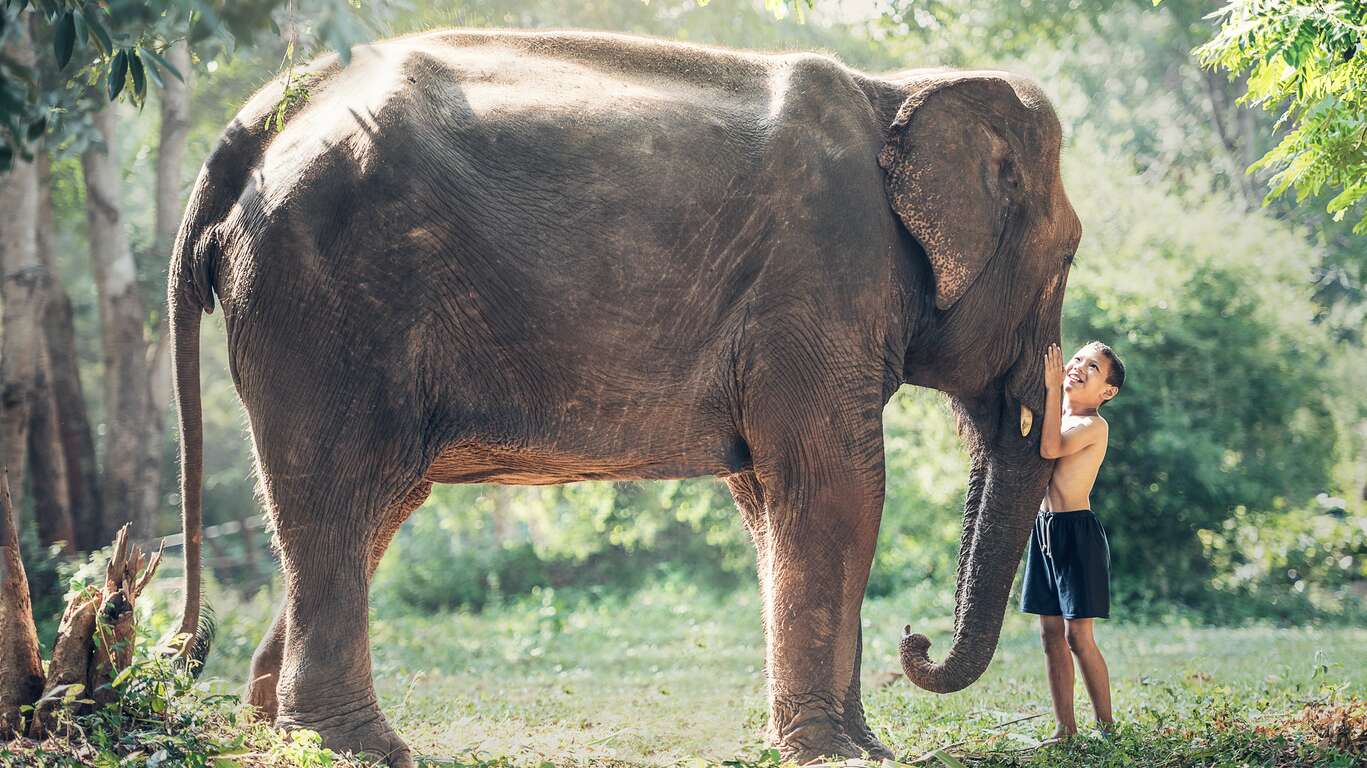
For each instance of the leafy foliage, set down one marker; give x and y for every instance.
(1304, 58)
(120, 44)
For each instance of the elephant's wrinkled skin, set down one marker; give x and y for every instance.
(546, 257)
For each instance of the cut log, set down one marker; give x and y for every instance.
(70, 665)
(21, 668)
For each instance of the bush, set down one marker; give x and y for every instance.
(1294, 565)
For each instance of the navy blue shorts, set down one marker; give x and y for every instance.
(1068, 567)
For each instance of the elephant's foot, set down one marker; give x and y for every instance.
(859, 731)
(363, 732)
(261, 698)
(811, 733)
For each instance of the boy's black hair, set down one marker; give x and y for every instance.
(1116, 375)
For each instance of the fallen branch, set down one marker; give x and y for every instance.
(934, 753)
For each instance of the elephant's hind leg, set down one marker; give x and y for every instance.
(265, 670)
(332, 468)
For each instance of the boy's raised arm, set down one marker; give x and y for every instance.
(1050, 437)
(1054, 442)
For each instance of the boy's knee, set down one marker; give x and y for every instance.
(1051, 634)
(1078, 639)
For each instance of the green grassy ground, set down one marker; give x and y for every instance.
(671, 675)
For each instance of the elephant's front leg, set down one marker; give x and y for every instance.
(855, 725)
(749, 496)
(824, 501)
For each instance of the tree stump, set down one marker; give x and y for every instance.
(21, 668)
(115, 635)
(70, 665)
(94, 644)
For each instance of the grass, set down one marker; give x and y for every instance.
(673, 675)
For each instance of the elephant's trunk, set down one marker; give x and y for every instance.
(1005, 488)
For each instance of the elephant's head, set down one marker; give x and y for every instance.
(972, 170)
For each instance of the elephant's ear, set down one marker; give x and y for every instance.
(952, 175)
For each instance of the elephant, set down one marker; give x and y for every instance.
(519, 257)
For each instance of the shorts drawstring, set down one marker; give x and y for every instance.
(1047, 518)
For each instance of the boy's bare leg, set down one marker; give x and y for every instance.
(1058, 662)
(1094, 673)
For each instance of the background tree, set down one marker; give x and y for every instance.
(22, 289)
(1303, 59)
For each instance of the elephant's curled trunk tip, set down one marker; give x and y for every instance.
(922, 671)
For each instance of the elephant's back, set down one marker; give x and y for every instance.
(579, 217)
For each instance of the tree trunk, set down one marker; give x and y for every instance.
(70, 665)
(22, 291)
(21, 669)
(122, 315)
(47, 469)
(73, 424)
(47, 458)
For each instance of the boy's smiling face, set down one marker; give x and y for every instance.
(1084, 379)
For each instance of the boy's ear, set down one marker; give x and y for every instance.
(1109, 392)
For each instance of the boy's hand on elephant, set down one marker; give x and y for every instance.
(1053, 368)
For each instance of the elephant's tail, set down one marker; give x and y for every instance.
(195, 261)
(189, 295)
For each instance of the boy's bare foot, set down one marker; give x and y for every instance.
(1061, 735)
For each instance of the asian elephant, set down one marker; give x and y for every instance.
(531, 258)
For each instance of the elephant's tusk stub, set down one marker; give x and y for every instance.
(1027, 420)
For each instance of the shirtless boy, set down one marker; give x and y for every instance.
(1067, 570)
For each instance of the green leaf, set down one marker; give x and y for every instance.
(946, 759)
(152, 70)
(157, 59)
(123, 676)
(37, 128)
(92, 20)
(64, 39)
(118, 71)
(82, 29)
(139, 76)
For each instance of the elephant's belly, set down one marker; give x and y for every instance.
(497, 464)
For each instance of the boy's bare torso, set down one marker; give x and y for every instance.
(1070, 487)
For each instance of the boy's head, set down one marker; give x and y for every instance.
(1093, 376)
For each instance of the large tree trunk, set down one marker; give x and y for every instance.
(122, 316)
(47, 469)
(73, 423)
(47, 457)
(175, 129)
(22, 292)
(21, 668)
